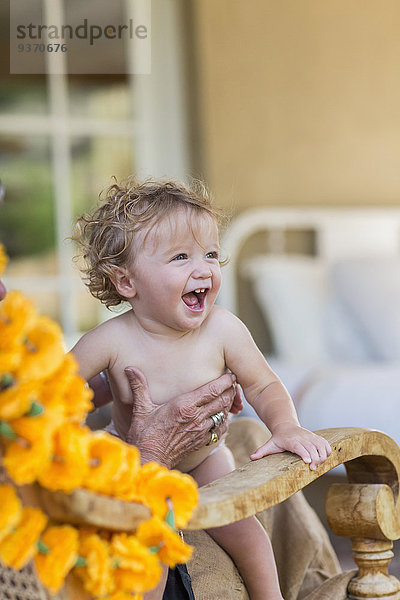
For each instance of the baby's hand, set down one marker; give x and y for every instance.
(312, 448)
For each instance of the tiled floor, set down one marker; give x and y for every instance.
(316, 494)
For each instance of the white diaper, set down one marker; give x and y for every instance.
(110, 428)
(220, 445)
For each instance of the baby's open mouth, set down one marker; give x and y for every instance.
(195, 300)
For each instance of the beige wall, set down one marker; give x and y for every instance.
(299, 101)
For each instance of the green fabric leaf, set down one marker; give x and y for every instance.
(80, 562)
(35, 410)
(7, 431)
(42, 547)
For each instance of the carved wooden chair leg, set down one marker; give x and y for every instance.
(373, 581)
(366, 514)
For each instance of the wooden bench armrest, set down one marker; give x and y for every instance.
(369, 456)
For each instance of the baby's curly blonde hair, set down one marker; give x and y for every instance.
(105, 237)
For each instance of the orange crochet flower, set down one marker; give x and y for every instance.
(107, 461)
(70, 462)
(52, 567)
(20, 546)
(28, 456)
(16, 400)
(43, 350)
(17, 316)
(97, 575)
(143, 476)
(178, 487)
(53, 388)
(9, 360)
(77, 399)
(138, 569)
(11, 510)
(123, 487)
(156, 533)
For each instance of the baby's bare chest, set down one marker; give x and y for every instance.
(171, 368)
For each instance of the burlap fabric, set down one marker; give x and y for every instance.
(307, 565)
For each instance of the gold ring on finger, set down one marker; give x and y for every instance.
(214, 438)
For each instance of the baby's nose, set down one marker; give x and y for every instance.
(201, 270)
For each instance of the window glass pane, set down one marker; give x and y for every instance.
(27, 226)
(27, 216)
(94, 162)
(22, 94)
(99, 98)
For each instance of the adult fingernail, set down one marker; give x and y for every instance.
(233, 377)
(130, 372)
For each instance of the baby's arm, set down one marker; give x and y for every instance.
(93, 352)
(268, 396)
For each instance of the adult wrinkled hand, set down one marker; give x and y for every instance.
(167, 433)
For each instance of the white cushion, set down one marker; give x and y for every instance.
(369, 290)
(295, 296)
(291, 294)
(356, 396)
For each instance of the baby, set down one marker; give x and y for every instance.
(156, 246)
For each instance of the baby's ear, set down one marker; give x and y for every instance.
(123, 282)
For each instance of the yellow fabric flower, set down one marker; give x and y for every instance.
(11, 510)
(67, 389)
(123, 487)
(16, 400)
(70, 461)
(138, 569)
(3, 258)
(180, 488)
(43, 350)
(143, 476)
(20, 546)
(97, 575)
(10, 360)
(173, 549)
(55, 386)
(77, 399)
(28, 456)
(52, 568)
(17, 316)
(106, 461)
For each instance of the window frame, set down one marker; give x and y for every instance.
(158, 127)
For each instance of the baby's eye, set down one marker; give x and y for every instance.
(213, 254)
(181, 256)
